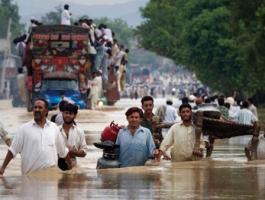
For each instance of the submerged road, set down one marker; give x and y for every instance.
(226, 176)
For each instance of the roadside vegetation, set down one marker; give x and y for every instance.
(222, 41)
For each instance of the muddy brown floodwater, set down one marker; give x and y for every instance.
(227, 175)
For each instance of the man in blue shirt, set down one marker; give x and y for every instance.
(136, 142)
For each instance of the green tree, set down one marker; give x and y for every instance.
(9, 10)
(221, 41)
(53, 17)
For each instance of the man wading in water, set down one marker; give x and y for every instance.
(136, 142)
(39, 142)
(74, 137)
(181, 137)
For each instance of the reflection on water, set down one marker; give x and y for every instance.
(190, 180)
(226, 176)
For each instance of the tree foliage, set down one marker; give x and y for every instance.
(221, 41)
(53, 17)
(9, 10)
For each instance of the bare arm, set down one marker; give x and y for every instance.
(9, 156)
(8, 142)
(77, 153)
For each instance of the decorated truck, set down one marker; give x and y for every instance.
(57, 63)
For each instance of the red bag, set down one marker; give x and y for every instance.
(110, 132)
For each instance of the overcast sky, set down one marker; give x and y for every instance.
(85, 2)
(127, 10)
(96, 2)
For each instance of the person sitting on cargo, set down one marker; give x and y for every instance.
(33, 23)
(74, 137)
(66, 16)
(181, 139)
(107, 33)
(20, 45)
(4, 135)
(136, 142)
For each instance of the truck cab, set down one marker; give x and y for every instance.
(56, 57)
(54, 91)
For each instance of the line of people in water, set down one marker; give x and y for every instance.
(41, 142)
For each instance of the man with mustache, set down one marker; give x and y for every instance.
(38, 141)
(136, 142)
(74, 137)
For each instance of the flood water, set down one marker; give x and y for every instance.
(227, 175)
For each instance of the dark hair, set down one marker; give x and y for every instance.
(221, 101)
(185, 100)
(169, 102)
(250, 100)
(147, 98)
(207, 100)
(100, 26)
(66, 6)
(134, 109)
(184, 105)
(46, 104)
(62, 105)
(108, 44)
(71, 108)
(109, 52)
(227, 105)
(245, 104)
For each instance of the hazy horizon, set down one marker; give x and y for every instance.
(128, 10)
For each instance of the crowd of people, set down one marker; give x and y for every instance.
(43, 143)
(107, 57)
(163, 84)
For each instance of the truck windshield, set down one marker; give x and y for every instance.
(51, 84)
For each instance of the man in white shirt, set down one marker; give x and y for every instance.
(107, 33)
(38, 141)
(233, 110)
(74, 137)
(245, 116)
(170, 116)
(181, 139)
(66, 16)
